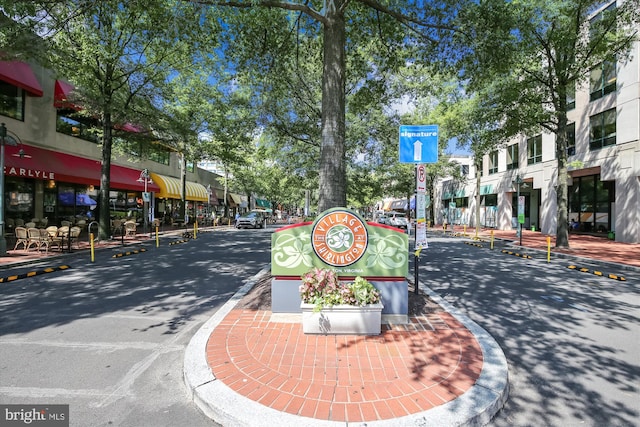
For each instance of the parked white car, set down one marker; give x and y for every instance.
(398, 219)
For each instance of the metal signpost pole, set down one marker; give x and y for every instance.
(146, 179)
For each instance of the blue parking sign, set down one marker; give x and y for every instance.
(419, 144)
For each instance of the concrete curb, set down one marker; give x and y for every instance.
(474, 408)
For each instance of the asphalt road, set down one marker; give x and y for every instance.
(572, 339)
(108, 338)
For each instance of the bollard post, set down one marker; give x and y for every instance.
(464, 230)
(93, 255)
(195, 230)
(548, 249)
(157, 238)
(491, 239)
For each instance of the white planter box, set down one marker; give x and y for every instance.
(342, 320)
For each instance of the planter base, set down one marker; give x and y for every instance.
(342, 320)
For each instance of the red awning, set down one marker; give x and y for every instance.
(127, 179)
(62, 95)
(20, 74)
(128, 127)
(46, 165)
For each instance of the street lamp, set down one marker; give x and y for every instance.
(146, 179)
(518, 181)
(10, 140)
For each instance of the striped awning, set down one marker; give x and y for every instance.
(170, 188)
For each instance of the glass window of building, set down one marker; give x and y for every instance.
(77, 202)
(534, 150)
(18, 199)
(123, 204)
(159, 154)
(512, 157)
(602, 129)
(571, 96)
(74, 125)
(602, 80)
(590, 203)
(493, 162)
(571, 139)
(11, 101)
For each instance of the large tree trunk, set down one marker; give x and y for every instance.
(104, 221)
(332, 153)
(562, 192)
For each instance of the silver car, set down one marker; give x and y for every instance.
(251, 220)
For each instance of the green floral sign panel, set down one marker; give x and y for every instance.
(341, 240)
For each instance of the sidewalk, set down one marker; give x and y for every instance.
(582, 247)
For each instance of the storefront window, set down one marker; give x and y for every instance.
(125, 204)
(19, 199)
(77, 202)
(590, 203)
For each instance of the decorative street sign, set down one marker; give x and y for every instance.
(521, 209)
(419, 144)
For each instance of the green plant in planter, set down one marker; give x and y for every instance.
(364, 292)
(321, 287)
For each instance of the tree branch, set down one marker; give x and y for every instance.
(304, 8)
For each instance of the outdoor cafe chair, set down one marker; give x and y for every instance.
(75, 234)
(33, 238)
(52, 237)
(22, 238)
(130, 227)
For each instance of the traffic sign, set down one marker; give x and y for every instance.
(419, 144)
(421, 178)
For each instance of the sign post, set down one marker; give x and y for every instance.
(419, 145)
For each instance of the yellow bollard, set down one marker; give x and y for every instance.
(491, 239)
(464, 230)
(548, 249)
(195, 230)
(157, 238)
(93, 255)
